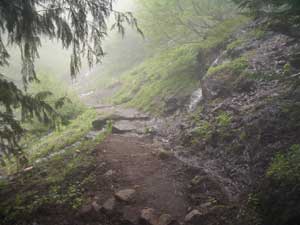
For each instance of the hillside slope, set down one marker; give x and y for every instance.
(165, 82)
(244, 132)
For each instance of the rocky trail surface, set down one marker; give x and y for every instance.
(141, 182)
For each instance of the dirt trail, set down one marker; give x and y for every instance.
(161, 180)
(134, 163)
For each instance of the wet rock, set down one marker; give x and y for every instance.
(96, 206)
(116, 130)
(172, 104)
(196, 180)
(89, 136)
(148, 217)
(125, 195)
(109, 173)
(194, 217)
(110, 205)
(85, 210)
(99, 124)
(165, 219)
(163, 154)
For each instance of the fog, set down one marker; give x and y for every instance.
(55, 61)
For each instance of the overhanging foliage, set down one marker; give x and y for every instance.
(79, 25)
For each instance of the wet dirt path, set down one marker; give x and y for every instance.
(159, 183)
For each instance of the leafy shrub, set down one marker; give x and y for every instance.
(236, 66)
(224, 119)
(279, 199)
(204, 129)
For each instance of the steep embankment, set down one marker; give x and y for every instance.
(163, 84)
(249, 114)
(246, 112)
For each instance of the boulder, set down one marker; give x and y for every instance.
(109, 173)
(163, 154)
(196, 180)
(96, 206)
(116, 130)
(99, 124)
(85, 210)
(110, 205)
(165, 219)
(125, 195)
(194, 217)
(148, 217)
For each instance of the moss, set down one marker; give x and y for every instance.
(203, 130)
(172, 72)
(257, 33)
(58, 180)
(286, 166)
(236, 67)
(287, 69)
(234, 44)
(278, 200)
(224, 119)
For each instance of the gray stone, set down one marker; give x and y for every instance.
(96, 206)
(165, 219)
(125, 195)
(193, 217)
(99, 124)
(86, 209)
(109, 173)
(163, 154)
(148, 217)
(110, 205)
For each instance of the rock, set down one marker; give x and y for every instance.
(194, 217)
(116, 130)
(96, 206)
(110, 205)
(28, 169)
(172, 104)
(109, 173)
(165, 219)
(196, 180)
(163, 154)
(86, 209)
(148, 217)
(99, 124)
(125, 195)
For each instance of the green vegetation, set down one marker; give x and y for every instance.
(60, 179)
(287, 69)
(35, 147)
(68, 111)
(278, 201)
(234, 44)
(82, 30)
(203, 130)
(169, 23)
(224, 119)
(236, 67)
(286, 167)
(173, 72)
(272, 8)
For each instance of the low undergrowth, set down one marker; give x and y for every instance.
(172, 72)
(59, 176)
(277, 201)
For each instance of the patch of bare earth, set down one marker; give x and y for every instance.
(134, 163)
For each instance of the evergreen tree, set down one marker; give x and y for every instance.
(78, 24)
